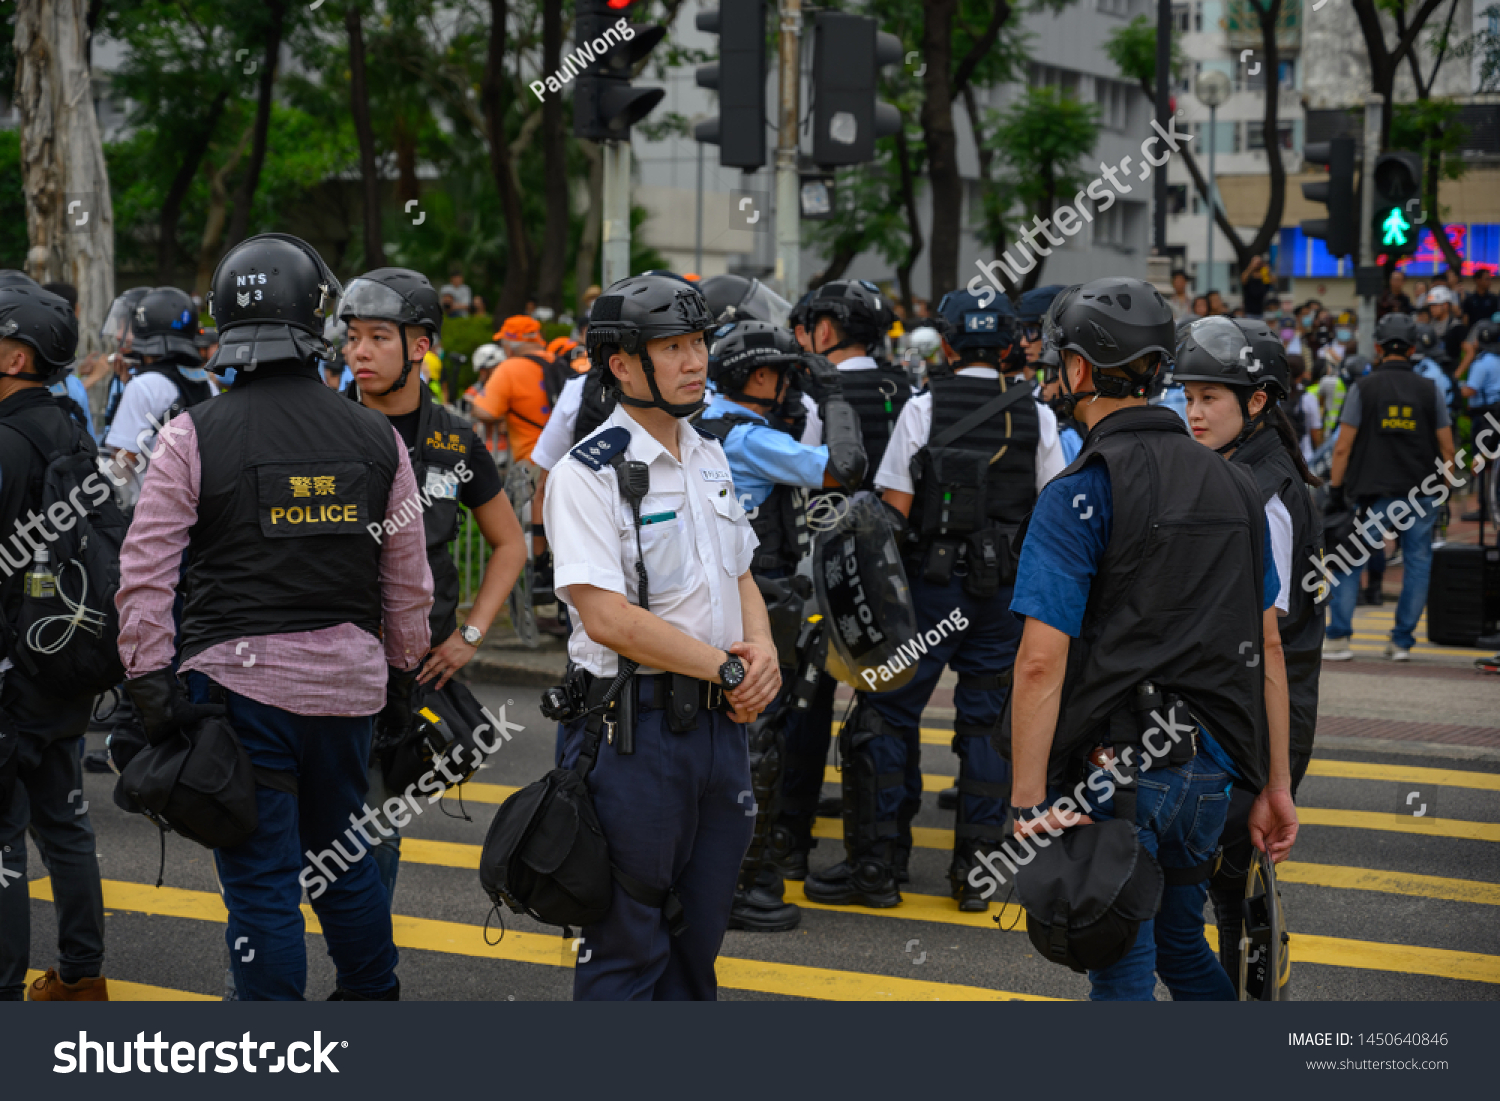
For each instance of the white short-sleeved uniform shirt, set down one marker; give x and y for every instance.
(914, 427)
(1279, 521)
(143, 406)
(557, 434)
(695, 538)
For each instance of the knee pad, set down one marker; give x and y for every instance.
(862, 741)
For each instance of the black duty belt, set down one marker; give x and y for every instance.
(657, 691)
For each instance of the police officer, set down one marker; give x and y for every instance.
(1146, 567)
(652, 555)
(753, 365)
(1393, 433)
(170, 378)
(1427, 346)
(1236, 374)
(964, 466)
(42, 722)
(1481, 387)
(1031, 309)
(392, 315)
(846, 322)
(299, 623)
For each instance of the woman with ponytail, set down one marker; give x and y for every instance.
(1235, 374)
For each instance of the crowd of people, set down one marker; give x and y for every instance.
(725, 490)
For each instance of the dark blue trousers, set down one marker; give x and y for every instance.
(263, 879)
(678, 812)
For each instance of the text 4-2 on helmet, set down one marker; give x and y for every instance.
(165, 325)
(270, 297)
(741, 347)
(398, 295)
(970, 329)
(1112, 323)
(43, 321)
(637, 310)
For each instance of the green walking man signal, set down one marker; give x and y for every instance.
(1396, 228)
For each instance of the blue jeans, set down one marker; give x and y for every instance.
(1179, 815)
(263, 878)
(1416, 564)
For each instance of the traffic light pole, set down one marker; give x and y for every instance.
(616, 211)
(1373, 110)
(788, 191)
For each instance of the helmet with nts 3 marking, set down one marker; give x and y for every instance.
(270, 297)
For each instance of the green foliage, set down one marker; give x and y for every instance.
(1040, 138)
(1484, 45)
(1431, 127)
(13, 242)
(1132, 48)
(461, 335)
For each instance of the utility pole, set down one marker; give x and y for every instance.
(616, 210)
(788, 190)
(1163, 116)
(1366, 275)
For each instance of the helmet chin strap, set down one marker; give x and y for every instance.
(677, 409)
(406, 366)
(1249, 423)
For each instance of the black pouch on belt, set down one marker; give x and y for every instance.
(682, 709)
(984, 560)
(937, 567)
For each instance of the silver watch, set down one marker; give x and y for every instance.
(472, 635)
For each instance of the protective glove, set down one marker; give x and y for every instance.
(164, 706)
(400, 709)
(1336, 502)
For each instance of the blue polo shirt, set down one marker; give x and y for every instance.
(1484, 378)
(1065, 542)
(762, 457)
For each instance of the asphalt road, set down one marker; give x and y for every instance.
(1383, 904)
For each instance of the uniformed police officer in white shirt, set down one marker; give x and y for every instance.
(652, 555)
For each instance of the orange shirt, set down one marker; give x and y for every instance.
(515, 392)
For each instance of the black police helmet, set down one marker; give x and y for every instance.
(1487, 336)
(1427, 340)
(165, 324)
(119, 320)
(637, 310)
(969, 326)
(1267, 350)
(10, 277)
(735, 298)
(1396, 332)
(741, 347)
(270, 297)
(43, 321)
(799, 314)
(1032, 306)
(1215, 349)
(1112, 322)
(398, 295)
(861, 311)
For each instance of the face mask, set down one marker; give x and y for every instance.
(1287, 334)
(1343, 336)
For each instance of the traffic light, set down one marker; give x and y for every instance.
(1398, 216)
(605, 105)
(848, 54)
(1341, 228)
(739, 76)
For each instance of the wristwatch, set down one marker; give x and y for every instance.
(472, 635)
(732, 672)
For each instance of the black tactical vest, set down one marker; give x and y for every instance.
(780, 521)
(1302, 627)
(878, 397)
(291, 475)
(1010, 482)
(1177, 599)
(442, 445)
(597, 404)
(1396, 445)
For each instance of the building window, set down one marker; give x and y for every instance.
(1050, 76)
(1177, 198)
(1182, 18)
(1113, 98)
(1114, 7)
(1109, 226)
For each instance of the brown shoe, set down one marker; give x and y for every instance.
(50, 988)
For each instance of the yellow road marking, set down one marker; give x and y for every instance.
(1406, 774)
(1390, 822)
(122, 991)
(454, 938)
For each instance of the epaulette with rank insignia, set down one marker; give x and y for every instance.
(597, 452)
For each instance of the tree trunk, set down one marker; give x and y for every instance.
(554, 153)
(494, 94)
(404, 139)
(239, 224)
(586, 263)
(1276, 203)
(942, 146)
(69, 218)
(171, 207)
(913, 223)
(359, 109)
(1043, 211)
(218, 210)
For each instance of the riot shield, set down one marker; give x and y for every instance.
(1265, 961)
(520, 489)
(864, 599)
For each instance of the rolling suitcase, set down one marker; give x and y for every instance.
(1463, 594)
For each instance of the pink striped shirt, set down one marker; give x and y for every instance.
(339, 670)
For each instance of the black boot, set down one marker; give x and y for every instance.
(341, 995)
(869, 881)
(791, 841)
(948, 798)
(761, 910)
(971, 899)
(900, 861)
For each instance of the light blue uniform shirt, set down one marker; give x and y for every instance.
(1484, 378)
(1428, 368)
(73, 387)
(762, 457)
(1174, 398)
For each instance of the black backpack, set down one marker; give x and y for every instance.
(70, 639)
(556, 374)
(445, 719)
(198, 783)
